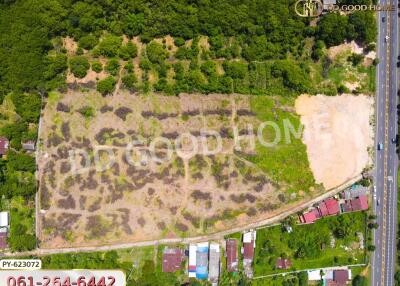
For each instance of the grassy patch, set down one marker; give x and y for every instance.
(286, 161)
(142, 266)
(309, 246)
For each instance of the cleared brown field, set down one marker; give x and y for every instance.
(178, 197)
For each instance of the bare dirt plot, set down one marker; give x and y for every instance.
(338, 134)
(178, 197)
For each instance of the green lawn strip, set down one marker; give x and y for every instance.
(308, 246)
(141, 265)
(285, 162)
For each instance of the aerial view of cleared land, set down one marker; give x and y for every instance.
(244, 182)
(177, 197)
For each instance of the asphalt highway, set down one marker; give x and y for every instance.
(384, 258)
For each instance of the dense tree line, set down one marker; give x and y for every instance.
(253, 30)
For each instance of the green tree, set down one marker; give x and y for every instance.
(359, 281)
(22, 242)
(333, 29)
(106, 86)
(79, 66)
(364, 26)
(97, 66)
(128, 51)
(129, 80)
(133, 24)
(88, 42)
(110, 46)
(156, 52)
(112, 66)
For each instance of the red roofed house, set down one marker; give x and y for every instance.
(231, 255)
(308, 217)
(332, 206)
(346, 207)
(172, 259)
(323, 209)
(340, 277)
(249, 243)
(317, 213)
(283, 263)
(3, 146)
(360, 203)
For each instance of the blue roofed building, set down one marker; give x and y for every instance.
(202, 261)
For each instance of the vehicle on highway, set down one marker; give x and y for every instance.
(377, 202)
(395, 139)
(387, 39)
(383, 19)
(380, 146)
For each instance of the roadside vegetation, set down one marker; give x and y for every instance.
(331, 241)
(239, 54)
(142, 266)
(18, 123)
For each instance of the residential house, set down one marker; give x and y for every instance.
(202, 261)
(340, 277)
(360, 203)
(332, 206)
(308, 217)
(330, 277)
(354, 192)
(357, 204)
(231, 255)
(172, 259)
(4, 145)
(283, 263)
(214, 263)
(249, 244)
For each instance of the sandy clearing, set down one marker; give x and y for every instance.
(337, 133)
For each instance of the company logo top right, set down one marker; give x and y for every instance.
(314, 8)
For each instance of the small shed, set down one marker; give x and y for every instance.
(283, 263)
(28, 145)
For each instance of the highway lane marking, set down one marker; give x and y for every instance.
(387, 83)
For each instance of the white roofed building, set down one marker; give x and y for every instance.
(4, 221)
(192, 260)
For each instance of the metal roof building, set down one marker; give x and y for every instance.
(231, 255)
(202, 261)
(214, 263)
